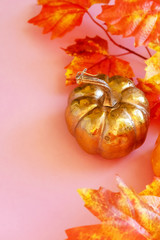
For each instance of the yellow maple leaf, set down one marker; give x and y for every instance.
(151, 83)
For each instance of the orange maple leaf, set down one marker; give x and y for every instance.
(92, 53)
(151, 84)
(156, 158)
(138, 18)
(125, 215)
(60, 17)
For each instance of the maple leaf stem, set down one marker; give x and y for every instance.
(112, 40)
(122, 54)
(106, 57)
(96, 22)
(125, 48)
(102, 60)
(148, 52)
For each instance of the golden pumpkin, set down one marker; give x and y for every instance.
(108, 116)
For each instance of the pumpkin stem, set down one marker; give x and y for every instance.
(83, 77)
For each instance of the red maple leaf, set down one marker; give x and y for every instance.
(92, 53)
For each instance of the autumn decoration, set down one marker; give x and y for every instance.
(139, 19)
(156, 158)
(109, 116)
(107, 80)
(124, 215)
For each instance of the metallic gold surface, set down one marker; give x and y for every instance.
(107, 116)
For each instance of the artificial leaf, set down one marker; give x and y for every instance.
(88, 45)
(151, 194)
(156, 158)
(106, 231)
(153, 188)
(154, 46)
(154, 102)
(155, 111)
(92, 53)
(125, 215)
(151, 84)
(138, 18)
(60, 17)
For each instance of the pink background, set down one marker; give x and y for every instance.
(41, 165)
